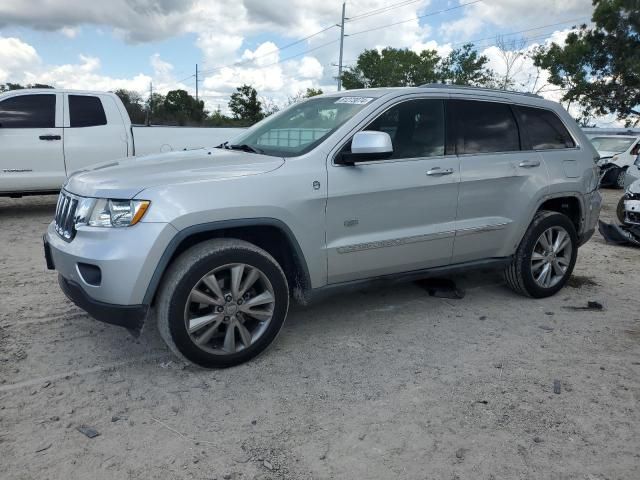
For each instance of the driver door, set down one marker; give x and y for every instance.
(395, 215)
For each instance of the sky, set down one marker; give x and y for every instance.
(280, 47)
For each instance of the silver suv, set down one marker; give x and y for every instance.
(332, 192)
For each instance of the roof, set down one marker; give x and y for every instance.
(57, 90)
(380, 92)
(469, 88)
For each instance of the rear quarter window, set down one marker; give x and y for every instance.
(543, 129)
(86, 111)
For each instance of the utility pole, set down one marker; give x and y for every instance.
(149, 107)
(196, 82)
(341, 45)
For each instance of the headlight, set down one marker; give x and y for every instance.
(103, 212)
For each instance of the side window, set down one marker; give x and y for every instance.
(485, 127)
(28, 111)
(86, 111)
(416, 128)
(543, 129)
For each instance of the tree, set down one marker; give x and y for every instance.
(394, 67)
(303, 95)
(133, 104)
(313, 92)
(464, 66)
(599, 66)
(245, 105)
(391, 67)
(16, 86)
(512, 55)
(183, 108)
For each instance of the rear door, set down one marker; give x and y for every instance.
(31, 153)
(94, 131)
(395, 215)
(499, 182)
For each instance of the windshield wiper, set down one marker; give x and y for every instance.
(224, 145)
(245, 148)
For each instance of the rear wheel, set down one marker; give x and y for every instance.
(222, 303)
(545, 257)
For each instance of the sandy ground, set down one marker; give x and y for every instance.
(379, 384)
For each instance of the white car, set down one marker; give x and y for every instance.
(617, 154)
(47, 134)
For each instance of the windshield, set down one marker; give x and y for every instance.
(300, 128)
(612, 144)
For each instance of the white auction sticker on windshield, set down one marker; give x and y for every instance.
(354, 100)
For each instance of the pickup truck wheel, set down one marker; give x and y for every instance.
(222, 302)
(620, 178)
(545, 257)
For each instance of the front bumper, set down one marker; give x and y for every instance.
(106, 271)
(129, 316)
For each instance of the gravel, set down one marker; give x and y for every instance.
(376, 384)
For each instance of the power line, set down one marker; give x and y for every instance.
(430, 14)
(276, 50)
(382, 10)
(518, 32)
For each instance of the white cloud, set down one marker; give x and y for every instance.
(16, 56)
(70, 32)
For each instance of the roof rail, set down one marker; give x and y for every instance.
(481, 89)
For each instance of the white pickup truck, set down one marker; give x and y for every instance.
(45, 135)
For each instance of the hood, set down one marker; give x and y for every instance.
(126, 178)
(606, 154)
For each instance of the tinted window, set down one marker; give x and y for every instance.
(28, 111)
(416, 128)
(485, 127)
(86, 111)
(543, 129)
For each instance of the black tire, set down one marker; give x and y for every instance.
(620, 178)
(188, 270)
(519, 274)
(620, 210)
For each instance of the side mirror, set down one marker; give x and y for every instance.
(635, 150)
(367, 146)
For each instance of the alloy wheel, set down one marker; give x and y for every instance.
(229, 308)
(551, 257)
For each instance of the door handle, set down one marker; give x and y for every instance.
(438, 172)
(50, 137)
(529, 163)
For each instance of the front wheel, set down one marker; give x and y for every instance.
(222, 302)
(545, 257)
(620, 178)
(620, 210)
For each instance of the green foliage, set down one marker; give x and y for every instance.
(395, 67)
(313, 92)
(16, 86)
(244, 104)
(600, 67)
(133, 103)
(464, 66)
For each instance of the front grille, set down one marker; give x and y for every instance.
(65, 216)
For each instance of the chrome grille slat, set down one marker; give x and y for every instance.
(65, 216)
